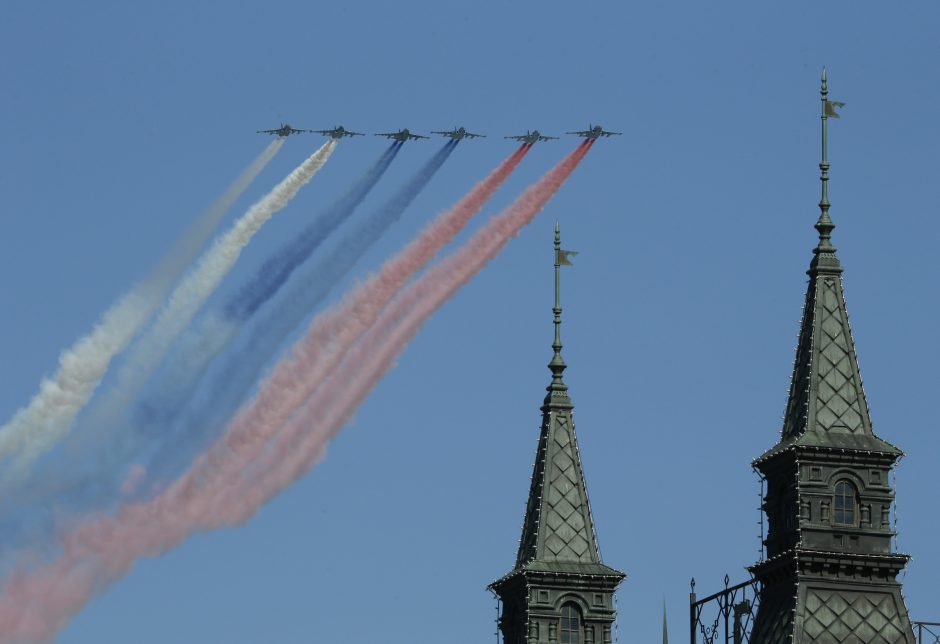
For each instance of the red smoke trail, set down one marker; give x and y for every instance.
(35, 605)
(302, 442)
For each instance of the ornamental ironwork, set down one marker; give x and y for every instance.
(725, 617)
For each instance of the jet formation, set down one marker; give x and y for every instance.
(593, 133)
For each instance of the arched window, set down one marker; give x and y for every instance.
(844, 504)
(570, 624)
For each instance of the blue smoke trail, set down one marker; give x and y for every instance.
(275, 272)
(240, 371)
(82, 479)
(217, 330)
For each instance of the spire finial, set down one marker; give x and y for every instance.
(824, 224)
(557, 365)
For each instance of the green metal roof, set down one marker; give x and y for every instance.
(558, 531)
(826, 407)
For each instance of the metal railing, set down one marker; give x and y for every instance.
(927, 632)
(733, 608)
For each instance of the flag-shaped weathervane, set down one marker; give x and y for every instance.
(563, 257)
(832, 106)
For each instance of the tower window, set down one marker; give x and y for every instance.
(844, 504)
(570, 624)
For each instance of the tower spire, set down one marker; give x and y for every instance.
(557, 365)
(559, 582)
(825, 252)
(557, 396)
(830, 574)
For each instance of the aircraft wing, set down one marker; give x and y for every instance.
(545, 137)
(323, 132)
(581, 133)
(294, 130)
(476, 136)
(350, 133)
(390, 135)
(520, 137)
(611, 133)
(417, 136)
(266, 132)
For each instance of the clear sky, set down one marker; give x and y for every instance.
(121, 121)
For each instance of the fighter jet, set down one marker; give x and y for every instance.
(284, 130)
(529, 138)
(460, 133)
(595, 132)
(401, 135)
(338, 132)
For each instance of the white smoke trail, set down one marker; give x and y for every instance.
(84, 364)
(184, 302)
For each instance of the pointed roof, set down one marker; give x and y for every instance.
(826, 406)
(558, 531)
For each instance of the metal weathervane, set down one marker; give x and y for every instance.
(828, 110)
(562, 258)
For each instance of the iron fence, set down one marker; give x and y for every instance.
(927, 632)
(726, 617)
(733, 609)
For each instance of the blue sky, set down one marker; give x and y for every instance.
(121, 121)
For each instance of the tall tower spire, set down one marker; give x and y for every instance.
(558, 590)
(825, 252)
(557, 397)
(557, 365)
(830, 573)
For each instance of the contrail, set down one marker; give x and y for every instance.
(216, 492)
(302, 441)
(84, 364)
(272, 275)
(81, 482)
(74, 486)
(240, 371)
(182, 305)
(355, 308)
(212, 335)
(219, 328)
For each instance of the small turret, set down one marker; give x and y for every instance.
(558, 590)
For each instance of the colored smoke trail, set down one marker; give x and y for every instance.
(241, 370)
(359, 309)
(302, 441)
(82, 366)
(81, 482)
(276, 271)
(34, 605)
(183, 303)
(201, 345)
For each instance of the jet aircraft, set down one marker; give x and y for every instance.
(530, 138)
(338, 132)
(595, 132)
(401, 135)
(460, 133)
(284, 130)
